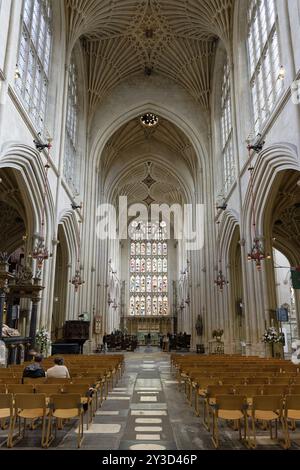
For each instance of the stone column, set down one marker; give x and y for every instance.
(33, 320)
(5, 275)
(2, 301)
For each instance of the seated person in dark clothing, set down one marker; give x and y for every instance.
(35, 370)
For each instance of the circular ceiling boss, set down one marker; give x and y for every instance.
(149, 120)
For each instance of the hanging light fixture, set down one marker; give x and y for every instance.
(149, 120)
(77, 280)
(40, 252)
(220, 282)
(257, 253)
(109, 300)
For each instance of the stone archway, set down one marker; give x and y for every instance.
(14, 242)
(282, 229)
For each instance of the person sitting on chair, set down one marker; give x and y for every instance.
(59, 370)
(34, 370)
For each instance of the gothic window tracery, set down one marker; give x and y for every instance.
(32, 73)
(71, 130)
(148, 276)
(226, 130)
(264, 59)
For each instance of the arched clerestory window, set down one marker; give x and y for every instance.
(71, 131)
(226, 131)
(33, 64)
(264, 59)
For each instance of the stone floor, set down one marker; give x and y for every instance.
(147, 411)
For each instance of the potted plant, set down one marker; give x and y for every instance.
(217, 334)
(42, 341)
(272, 336)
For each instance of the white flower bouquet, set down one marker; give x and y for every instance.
(271, 335)
(42, 340)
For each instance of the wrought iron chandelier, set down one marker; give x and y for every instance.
(77, 280)
(257, 253)
(149, 120)
(40, 253)
(220, 281)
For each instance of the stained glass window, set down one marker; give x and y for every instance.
(264, 59)
(34, 58)
(148, 270)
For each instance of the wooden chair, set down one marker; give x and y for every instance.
(201, 390)
(266, 408)
(249, 391)
(86, 397)
(229, 407)
(29, 406)
(6, 412)
(291, 412)
(210, 400)
(65, 406)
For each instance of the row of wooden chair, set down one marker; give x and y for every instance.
(239, 389)
(54, 400)
(28, 406)
(267, 410)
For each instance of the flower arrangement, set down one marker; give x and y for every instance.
(271, 335)
(217, 333)
(42, 340)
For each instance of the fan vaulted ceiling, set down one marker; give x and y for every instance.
(175, 38)
(164, 188)
(132, 134)
(147, 181)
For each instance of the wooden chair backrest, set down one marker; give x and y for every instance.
(230, 402)
(30, 400)
(66, 401)
(292, 402)
(20, 388)
(6, 401)
(48, 389)
(267, 402)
